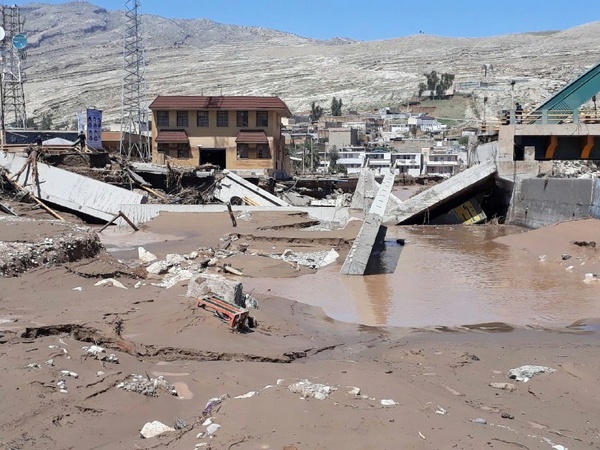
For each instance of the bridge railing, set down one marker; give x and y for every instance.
(555, 117)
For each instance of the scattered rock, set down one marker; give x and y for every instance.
(507, 416)
(145, 256)
(308, 389)
(212, 428)
(153, 429)
(354, 391)
(388, 402)
(150, 387)
(504, 386)
(566, 257)
(589, 277)
(524, 373)
(542, 258)
(591, 244)
(480, 421)
(33, 366)
(230, 291)
(158, 268)
(248, 395)
(110, 281)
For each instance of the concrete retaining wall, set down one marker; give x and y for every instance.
(543, 201)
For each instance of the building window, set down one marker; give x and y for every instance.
(183, 151)
(222, 118)
(262, 151)
(202, 119)
(162, 118)
(182, 119)
(262, 118)
(242, 118)
(163, 148)
(242, 151)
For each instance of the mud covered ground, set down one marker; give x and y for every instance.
(435, 382)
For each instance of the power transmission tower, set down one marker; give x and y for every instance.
(12, 74)
(135, 132)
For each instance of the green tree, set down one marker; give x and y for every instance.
(316, 112)
(435, 84)
(336, 107)
(422, 88)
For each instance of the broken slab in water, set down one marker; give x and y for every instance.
(418, 209)
(236, 190)
(371, 233)
(366, 191)
(70, 190)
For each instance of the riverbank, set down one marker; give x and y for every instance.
(420, 387)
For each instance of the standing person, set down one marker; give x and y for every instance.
(519, 113)
(80, 140)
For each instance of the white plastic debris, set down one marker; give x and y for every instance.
(212, 428)
(78, 288)
(145, 256)
(199, 435)
(441, 411)
(156, 428)
(138, 285)
(280, 381)
(589, 277)
(112, 282)
(542, 258)
(480, 421)
(33, 366)
(248, 395)
(207, 422)
(524, 373)
(99, 373)
(388, 402)
(308, 389)
(50, 362)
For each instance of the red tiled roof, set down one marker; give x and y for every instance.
(231, 103)
(171, 136)
(251, 137)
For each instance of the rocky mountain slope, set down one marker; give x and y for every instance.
(75, 60)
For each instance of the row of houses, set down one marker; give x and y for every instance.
(427, 161)
(249, 135)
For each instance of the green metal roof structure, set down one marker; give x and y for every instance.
(572, 96)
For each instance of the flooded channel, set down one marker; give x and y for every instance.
(445, 276)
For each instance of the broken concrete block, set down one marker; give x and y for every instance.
(145, 256)
(173, 259)
(153, 429)
(158, 267)
(203, 284)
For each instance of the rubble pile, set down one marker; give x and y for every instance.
(314, 260)
(17, 256)
(575, 169)
(150, 387)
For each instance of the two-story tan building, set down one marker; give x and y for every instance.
(241, 134)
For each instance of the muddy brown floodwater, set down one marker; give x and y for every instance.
(446, 276)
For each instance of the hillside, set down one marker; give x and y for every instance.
(75, 58)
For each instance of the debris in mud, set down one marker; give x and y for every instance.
(110, 282)
(589, 277)
(388, 402)
(150, 387)
(480, 421)
(153, 429)
(307, 389)
(524, 373)
(62, 243)
(314, 260)
(590, 244)
(145, 256)
(212, 404)
(504, 386)
(100, 354)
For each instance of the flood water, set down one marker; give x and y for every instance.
(446, 276)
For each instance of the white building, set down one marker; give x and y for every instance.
(440, 163)
(379, 161)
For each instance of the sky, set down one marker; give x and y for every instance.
(379, 19)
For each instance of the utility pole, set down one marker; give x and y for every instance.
(12, 54)
(135, 130)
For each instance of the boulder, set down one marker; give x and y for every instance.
(153, 429)
(145, 256)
